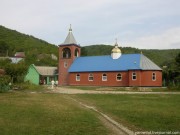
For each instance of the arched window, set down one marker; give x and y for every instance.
(66, 53)
(77, 77)
(118, 77)
(91, 77)
(76, 53)
(134, 76)
(154, 76)
(104, 77)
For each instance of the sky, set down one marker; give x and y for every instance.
(143, 24)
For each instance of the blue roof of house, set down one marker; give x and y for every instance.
(106, 63)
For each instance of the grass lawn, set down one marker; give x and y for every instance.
(45, 114)
(139, 112)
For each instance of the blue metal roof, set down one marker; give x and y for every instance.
(106, 63)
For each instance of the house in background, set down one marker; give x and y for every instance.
(41, 74)
(15, 60)
(18, 57)
(116, 69)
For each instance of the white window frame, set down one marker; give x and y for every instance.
(119, 75)
(134, 74)
(65, 64)
(91, 77)
(153, 76)
(78, 77)
(104, 77)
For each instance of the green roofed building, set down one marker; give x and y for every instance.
(41, 74)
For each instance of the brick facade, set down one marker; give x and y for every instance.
(143, 78)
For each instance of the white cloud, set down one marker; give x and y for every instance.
(165, 40)
(93, 21)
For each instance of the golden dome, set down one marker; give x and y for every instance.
(116, 50)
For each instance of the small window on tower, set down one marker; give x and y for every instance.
(154, 76)
(77, 52)
(66, 53)
(65, 64)
(77, 77)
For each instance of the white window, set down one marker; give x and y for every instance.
(91, 77)
(134, 76)
(104, 77)
(65, 64)
(118, 77)
(154, 76)
(77, 77)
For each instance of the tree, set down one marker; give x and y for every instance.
(4, 62)
(16, 71)
(3, 48)
(171, 73)
(177, 68)
(4, 82)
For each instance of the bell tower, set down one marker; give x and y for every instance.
(68, 51)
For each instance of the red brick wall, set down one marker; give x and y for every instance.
(144, 78)
(147, 78)
(63, 71)
(111, 79)
(136, 82)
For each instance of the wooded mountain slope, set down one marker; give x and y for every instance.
(14, 41)
(160, 57)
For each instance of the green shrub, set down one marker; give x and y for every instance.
(27, 86)
(4, 83)
(177, 87)
(174, 86)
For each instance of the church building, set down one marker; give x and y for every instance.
(116, 69)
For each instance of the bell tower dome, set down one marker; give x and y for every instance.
(69, 50)
(116, 52)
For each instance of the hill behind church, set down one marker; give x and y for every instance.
(12, 41)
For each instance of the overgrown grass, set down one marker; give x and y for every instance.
(139, 112)
(45, 114)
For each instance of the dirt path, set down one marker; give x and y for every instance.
(64, 90)
(115, 127)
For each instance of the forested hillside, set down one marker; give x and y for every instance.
(12, 41)
(39, 52)
(160, 57)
